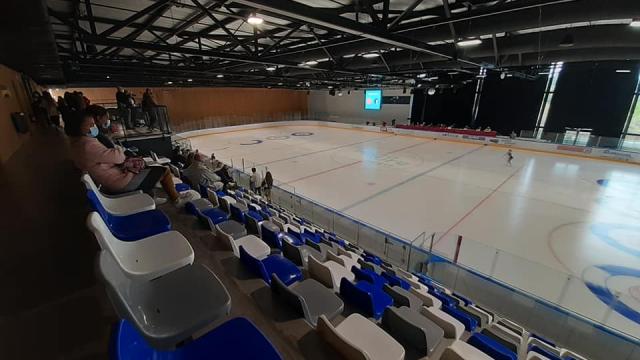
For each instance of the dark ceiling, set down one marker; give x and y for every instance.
(210, 43)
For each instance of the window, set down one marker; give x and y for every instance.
(554, 73)
(631, 132)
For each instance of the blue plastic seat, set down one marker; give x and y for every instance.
(444, 298)
(491, 347)
(216, 215)
(396, 280)
(182, 187)
(368, 275)
(237, 338)
(284, 269)
(203, 191)
(291, 239)
(372, 259)
(470, 324)
(271, 237)
(369, 298)
(254, 214)
(131, 227)
(236, 213)
(465, 300)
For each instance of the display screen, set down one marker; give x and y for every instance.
(372, 99)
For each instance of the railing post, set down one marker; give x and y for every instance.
(455, 257)
(243, 170)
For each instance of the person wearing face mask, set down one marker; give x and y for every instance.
(101, 118)
(110, 168)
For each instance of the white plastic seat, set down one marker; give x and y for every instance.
(568, 353)
(428, 299)
(252, 244)
(329, 273)
(128, 204)
(147, 258)
(453, 328)
(486, 317)
(356, 337)
(226, 202)
(532, 355)
(506, 334)
(460, 350)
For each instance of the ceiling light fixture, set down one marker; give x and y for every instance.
(169, 82)
(254, 19)
(108, 77)
(370, 55)
(312, 62)
(219, 76)
(271, 68)
(431, 91)
(189, 80)
(280, 84)
(469, 42)
(635, 23)
(567, 41)
(421, 75)
(623, 71)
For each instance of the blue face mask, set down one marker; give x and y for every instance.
(93, 131)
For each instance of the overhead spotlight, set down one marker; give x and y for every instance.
(340, 93)
(567, 41)
(431, 91)
(280, 84)
(469, 42)
(370, 55)
(421, 76)
(503, 75)
(623, 71)
(189, 80)
(433, 78)
(108, 77)
(312, 62)
(169, 82)
(329, 87)
(219, 76)
(635, 23)
(419, 85)
(271, 68)
(254, 19)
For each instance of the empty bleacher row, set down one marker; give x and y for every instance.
(164, 299)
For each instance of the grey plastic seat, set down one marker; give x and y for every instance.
(402, 297)
(412, 329)
(310, 298)
(169, 309)
(428, 299)
(460, 350)
(225, 202)
(299, 255)
(253, 225)
(232, 228)
(369, 266)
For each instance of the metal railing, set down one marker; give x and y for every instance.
(623, 143)
(506, 283)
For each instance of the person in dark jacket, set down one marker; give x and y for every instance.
(149, 107)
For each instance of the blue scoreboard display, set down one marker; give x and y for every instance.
(372, 99)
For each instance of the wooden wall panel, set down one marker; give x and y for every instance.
(18, 101)
(193, 108)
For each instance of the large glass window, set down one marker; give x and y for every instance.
(631, 134)
(554, 73)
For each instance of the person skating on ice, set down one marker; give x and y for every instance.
(509, 156)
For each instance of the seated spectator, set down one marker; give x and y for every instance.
(199, 173)
(487, 129)
(110, 168)
(214, 163)
(177, 158)
(101, 118)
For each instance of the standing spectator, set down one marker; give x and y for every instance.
(267, 184)
(63, 108)
(149, 107)
(39, 112)
(124, 107)
(254, 181)
(393, 123)
(50, 105)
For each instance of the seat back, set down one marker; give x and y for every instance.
(254, 265)
(491, 347)
(354, 295)
(396, 281)
(103, 235)
(236, 213)
(341, 344)
(278, 221)
(174, 170)
(229, 240)
(399, 299)
(204, 190)
(331, 256)
(270, 237)
(253, 225)
(292, 253)
(320, 272)
(213, 197)
(402, 329)
(205, 220)
(314, 245)
(293, 299)
(96, 204)
(469, 322)
(364, 275)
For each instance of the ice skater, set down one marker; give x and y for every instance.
(509, 156)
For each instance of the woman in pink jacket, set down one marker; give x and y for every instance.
(111, 169)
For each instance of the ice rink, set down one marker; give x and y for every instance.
(547, 215)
